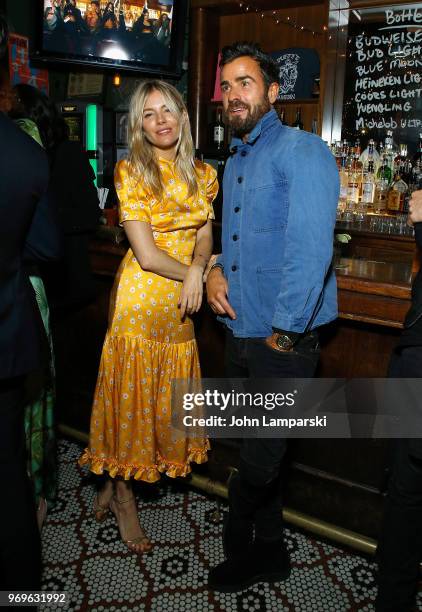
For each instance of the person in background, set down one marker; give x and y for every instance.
(400, 543)
(52, 19)
(109, 19)
(161, 29)
(39, 419)
(93, 16)
(142, 24)
(165, 206)
(273, 286)
(69, 281)
(28, 232)
(69, 284)
(71, 14)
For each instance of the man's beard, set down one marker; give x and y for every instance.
(240, 126)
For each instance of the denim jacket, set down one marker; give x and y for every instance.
(280, 197)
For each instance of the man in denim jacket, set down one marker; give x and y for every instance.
(272, 286)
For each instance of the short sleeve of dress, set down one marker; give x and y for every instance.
(212, 189)
(133, 200)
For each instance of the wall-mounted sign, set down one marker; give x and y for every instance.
(20, 69)
(383, 85)
(85, 84)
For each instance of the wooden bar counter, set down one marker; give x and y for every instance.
(339, 481)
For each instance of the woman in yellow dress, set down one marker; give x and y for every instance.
(165, 206)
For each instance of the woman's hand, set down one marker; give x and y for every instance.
(192, 290)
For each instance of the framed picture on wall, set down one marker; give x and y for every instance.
(121, 128)
(85, 84)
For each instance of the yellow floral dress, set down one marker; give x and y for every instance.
(147, 344)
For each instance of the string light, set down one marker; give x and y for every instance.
(287, 21)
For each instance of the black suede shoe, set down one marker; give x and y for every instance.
(237, 536)
(263, 562)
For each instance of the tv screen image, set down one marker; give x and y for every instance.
(142, 35)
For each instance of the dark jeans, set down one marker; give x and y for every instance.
(400, 546)
(255, 492)
(20, 551)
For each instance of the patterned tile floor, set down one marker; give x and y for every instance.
(89, 562)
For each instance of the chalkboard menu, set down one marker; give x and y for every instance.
(383, 84)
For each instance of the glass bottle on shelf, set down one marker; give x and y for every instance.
(282, 117)
(344, 179)
(400, 160)
(384, 171)
(368, 184)
(218, 130)
(353, 185)
(298, 121)
(389, 144)
(370, 153)
(336, 151)
(396, 196)
(381, 192)
(357, 151)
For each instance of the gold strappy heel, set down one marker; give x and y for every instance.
(143, 539)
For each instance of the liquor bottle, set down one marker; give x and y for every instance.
(397, 195)
(384, 171)
(368, 184)
(389, 143)
(368, 157)
(370, 153)
(390, 151)
(298, 121)
(380, 199)
(282, 117)
(353, 184)
(344, 179)
(218, 131)
(400, 160)
(358, 150)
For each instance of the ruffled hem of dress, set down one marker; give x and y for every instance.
(146, 473)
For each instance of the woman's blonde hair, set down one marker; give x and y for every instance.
(142, 158)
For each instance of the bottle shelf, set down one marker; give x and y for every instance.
(297, 102)
(310, 101)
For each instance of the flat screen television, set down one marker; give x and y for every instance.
(135, 35)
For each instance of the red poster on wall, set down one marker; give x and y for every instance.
(19, 67)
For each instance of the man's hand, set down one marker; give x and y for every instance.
(415, 207)
(217, 290)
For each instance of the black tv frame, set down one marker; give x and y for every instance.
(172, 70)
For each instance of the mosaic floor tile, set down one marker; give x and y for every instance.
(88, 560)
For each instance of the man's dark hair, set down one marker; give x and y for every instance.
(35, 105)
(267, 65)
